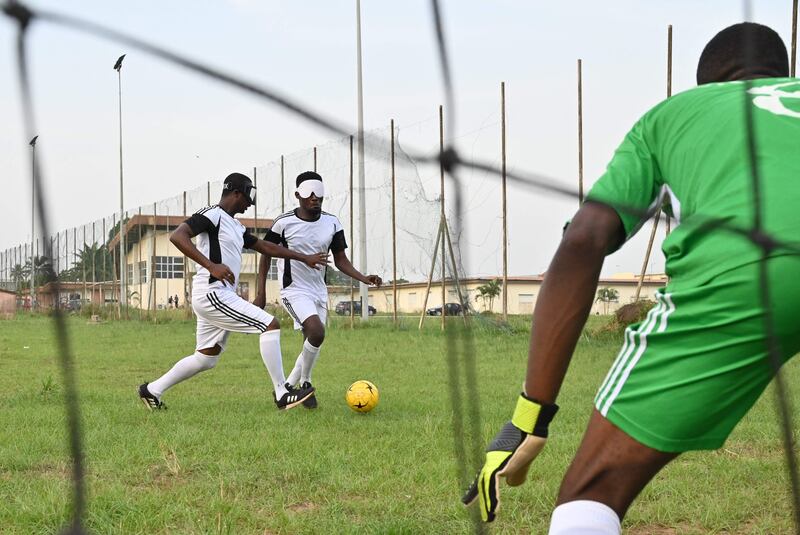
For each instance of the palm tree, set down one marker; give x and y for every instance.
(42, 270)
(607, 295)
(488, 291)
(18, 276)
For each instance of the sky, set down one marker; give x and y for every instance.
(181, 130)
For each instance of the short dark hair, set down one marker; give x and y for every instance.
(742, 51)
(307, 175)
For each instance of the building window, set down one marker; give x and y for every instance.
(129, 276)
(272, 274)
(525, 303)
(142, 272)
(169, 267)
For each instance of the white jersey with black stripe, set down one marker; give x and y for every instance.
(319, 235)
(220, 238)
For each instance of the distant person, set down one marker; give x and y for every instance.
(689, 372)
(169, 302)
(309, 230)
(175, 300)
(220, 239)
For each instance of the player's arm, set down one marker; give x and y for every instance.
(316, 260)
(564, 304)
(344, 265)
(261, 284)
(181, 238)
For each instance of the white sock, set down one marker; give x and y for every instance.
(584, 517)
(294, 377)
(309, 355)
(182, 370)
(270, 342)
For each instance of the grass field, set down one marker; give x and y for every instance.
(223, 460)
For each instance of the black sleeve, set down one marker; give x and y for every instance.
(249, 240)
(273, 237)
(199, 224)
(338, 243)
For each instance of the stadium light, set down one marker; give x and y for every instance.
(122, 266)
(32, 143)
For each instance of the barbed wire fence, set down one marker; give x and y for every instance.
(459, 342)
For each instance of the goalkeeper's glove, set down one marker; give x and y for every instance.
(510, 454)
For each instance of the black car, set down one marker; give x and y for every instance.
(343, 308)
(453, 309)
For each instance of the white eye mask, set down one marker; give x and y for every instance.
(306, 188)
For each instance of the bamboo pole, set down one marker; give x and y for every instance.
(394, 230)
(442, 212)
(315, 159)
(114, 268)
(580, 132)
(255, 217)
(446, 231)
(504, 204)
(139, 260)
(94, 266)
(151, 293)
(83, 265)
(208, 194)
(669, 94)
(283, 179)
(352, 230)
(185, 267)
(430, 274)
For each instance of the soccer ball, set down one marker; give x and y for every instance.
(362, 396)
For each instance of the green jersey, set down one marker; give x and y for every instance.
(692, 150)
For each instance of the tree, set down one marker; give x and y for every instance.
(84, 264)
(607, 295)
(42, 270)
(18, 276)
(488, 292)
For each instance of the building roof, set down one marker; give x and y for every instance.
(169, 222)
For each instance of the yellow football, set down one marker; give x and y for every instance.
(362, 396)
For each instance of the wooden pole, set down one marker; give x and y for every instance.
(669, 94)
(504, 205)
(794, 38)
(208, 195)
(151, 293)
(185, 265)
(315, 159)
(580, 132)
(255, 218)
(394, 231)
(442, 213)
(283, 181)
(115, 288)
(139, 258)
(94, 266)
(446, 230)
(352, 227)
(430, 274)
(83, 265)
(647, 255)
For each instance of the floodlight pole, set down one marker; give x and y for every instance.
(123, 301)
(362, 202)
(33, 212)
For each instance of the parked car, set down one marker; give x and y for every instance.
(343, 308)
(453, 309)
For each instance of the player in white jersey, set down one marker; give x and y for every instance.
(219, 310)
(309, 230)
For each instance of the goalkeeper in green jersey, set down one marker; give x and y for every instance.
(690, 371)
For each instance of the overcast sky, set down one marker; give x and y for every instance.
(181, 130)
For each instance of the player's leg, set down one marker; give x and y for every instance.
(210, 343)
(314, 331)
(609, 470)
(236, 314)
(303, 310)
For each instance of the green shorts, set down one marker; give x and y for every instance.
(693, 368)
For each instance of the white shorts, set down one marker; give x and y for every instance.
(221, 312)
(302, 306)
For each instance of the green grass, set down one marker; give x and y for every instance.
(223, 460)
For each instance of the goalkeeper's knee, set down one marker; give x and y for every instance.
(584, 517)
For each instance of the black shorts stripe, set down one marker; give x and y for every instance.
(235, 314)
(291, 311)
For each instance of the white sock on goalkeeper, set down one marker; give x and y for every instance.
(584, 517)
